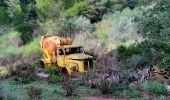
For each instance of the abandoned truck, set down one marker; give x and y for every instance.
(68, 57)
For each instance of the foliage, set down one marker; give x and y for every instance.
(18, 16)
(104, 86)
(155, 28)
(70, 87)
(34, 92)
(68, 27)
(4, 18)
(133, 93)
(9, 45)
(75, 10)
(95, 9)
(139, 55)
(24, 73)
(125, 52)
(162, 97)
(129, 91)
(33, 47)
(119, 28)
(38, 64)
(55, 75)
(48, 9)
(11, 51)
(26, 32)
(6, 94)
(154, 87)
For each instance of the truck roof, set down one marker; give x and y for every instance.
(72, 46)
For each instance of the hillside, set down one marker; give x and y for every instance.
(129, 41)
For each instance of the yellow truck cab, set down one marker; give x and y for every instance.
(72, 58)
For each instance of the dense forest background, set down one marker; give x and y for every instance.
(124, 35)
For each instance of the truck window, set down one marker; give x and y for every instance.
(73, 50)
(60, 52)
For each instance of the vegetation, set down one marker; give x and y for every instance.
(34, 92)
(154, 87)
(123, 36)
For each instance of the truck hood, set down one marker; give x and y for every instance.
(79, 56)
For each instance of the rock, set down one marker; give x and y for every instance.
(40, 73)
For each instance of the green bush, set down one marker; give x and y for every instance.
(55, 75)
(19, 16)
(4, 18)
(155, 28)
(75, 10)
(154, 87)
(34, 92)
(56, 78)
(124, 52)
(26, 32)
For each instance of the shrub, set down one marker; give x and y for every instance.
(56, 78)
(119, 28)
(70, 87)
(24, 73)
(55, 75)
(38, 64)
(34, 92)
(26, 32)
(116, 90)
(155, 28)
(154, 87)
(19, 16)
(124, 52)
(133, 93)
(11, 36)
(104, 86)
(128, 91)
(75, 10)
(162, 97)
(33, 47)
(10, 51)
(4, 18)
(68, 27)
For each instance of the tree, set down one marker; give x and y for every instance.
(155, 27)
